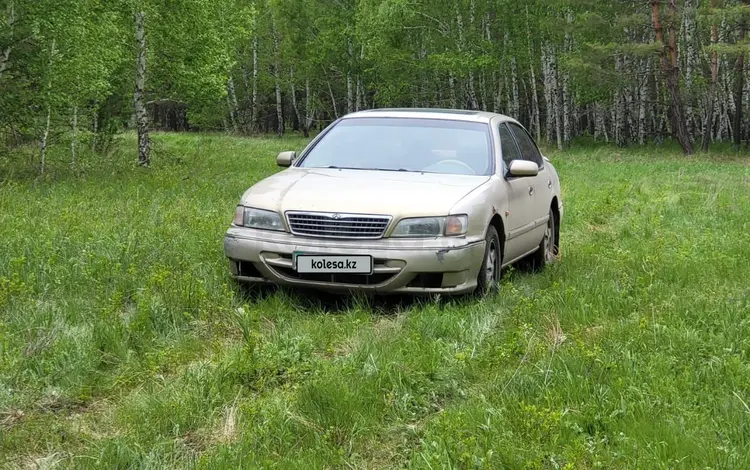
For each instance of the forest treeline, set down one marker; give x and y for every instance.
(630, 72)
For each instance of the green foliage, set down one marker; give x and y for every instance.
(216, 65)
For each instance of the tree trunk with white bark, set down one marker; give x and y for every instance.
(74, 136)
(739, 87)
(333, 100)
(141, 115)
(232, 105)
(514, 83)
(567, 105)
(309, 111)
(711, 95)
(293, 86)
(548, 91)
(349, 82)
(10, 23)
(254, 101)
(277, 80)
(645, 66)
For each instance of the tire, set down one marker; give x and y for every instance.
(549, 246)
(489, 273)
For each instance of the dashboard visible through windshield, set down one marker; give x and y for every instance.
(404, 144)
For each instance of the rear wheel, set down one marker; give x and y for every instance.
(548, 247)
(489, 273)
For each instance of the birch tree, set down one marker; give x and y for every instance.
(141, 116)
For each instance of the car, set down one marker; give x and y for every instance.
(401, 201)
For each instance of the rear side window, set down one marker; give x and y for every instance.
(508, 144)
(527, 145)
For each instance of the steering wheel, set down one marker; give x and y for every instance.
(458, 163)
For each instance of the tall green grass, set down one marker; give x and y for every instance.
(125, 344)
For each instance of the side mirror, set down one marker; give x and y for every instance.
(522, 168)
(285, 159)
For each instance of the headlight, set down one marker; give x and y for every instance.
(257, 218)
(450, 226)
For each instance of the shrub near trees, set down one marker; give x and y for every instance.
(627, 72)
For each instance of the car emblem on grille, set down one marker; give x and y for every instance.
(336, 216)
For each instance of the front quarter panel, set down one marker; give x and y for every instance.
(481, 205)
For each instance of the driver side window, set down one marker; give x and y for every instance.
(508, 146)
(528, 147)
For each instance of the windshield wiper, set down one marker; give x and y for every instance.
(334, 167)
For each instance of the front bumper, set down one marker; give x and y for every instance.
(401, 266)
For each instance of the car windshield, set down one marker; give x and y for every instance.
(404, 144)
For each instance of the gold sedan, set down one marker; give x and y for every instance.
(414, 201)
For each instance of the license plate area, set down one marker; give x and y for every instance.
(332, 264)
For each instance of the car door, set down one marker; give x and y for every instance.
(520, 214)
(540, 185)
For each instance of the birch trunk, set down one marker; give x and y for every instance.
(277, 80)
(556, 100)
(232, 104)
(5, 60)
(711, 98)
(349, 82)
(460, 46)
(514, 84)
(358, 99)
(566, 109)
(94, 130)
(10, 23)
(746, 112)
(508, 101)
(483, 77)
(723, 96)
(628, 104)
(333, 100)
(600, 123)
(642, 99)
(452, 87)
(43, 150)
(141, 116)
(309, 112)
(483, 91)
(566, 101)
(535, 118)
(472, 92)
(74, 136)
(739, 71)
(548, 90)
(361, 100)
(45, 132)
(254, 103)
(293, 86)
(498, 101)
(619, 109)
(691, 62)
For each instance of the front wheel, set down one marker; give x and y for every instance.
(489, 273)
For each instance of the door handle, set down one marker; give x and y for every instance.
(531, 190)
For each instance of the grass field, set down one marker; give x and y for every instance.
(125, 344)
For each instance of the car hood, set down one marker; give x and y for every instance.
(399, 194)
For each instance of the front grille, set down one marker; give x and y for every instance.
(332, 225)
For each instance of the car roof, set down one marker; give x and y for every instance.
(431, 113)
